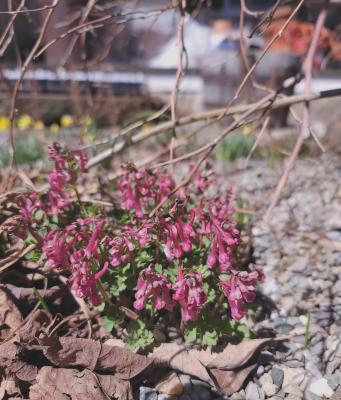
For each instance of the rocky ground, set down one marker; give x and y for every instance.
(300, 252)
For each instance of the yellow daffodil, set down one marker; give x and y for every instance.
(4, 123)
(24, 122)
(39, 126)
(66, 121)
(54, 128)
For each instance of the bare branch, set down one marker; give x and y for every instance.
(304, 132)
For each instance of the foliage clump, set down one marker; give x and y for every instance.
(161, 252)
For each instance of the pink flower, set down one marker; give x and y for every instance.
(82, 160)
(120, 251)
(152, 284)
(178, 234)
(56, 247)
(136, 189)
(55, 154)
(165, 184)
(91, 250)
(240, 288)
(28, 205)
(142, 190)
(189, 293)
(218, 226)
(83, 282)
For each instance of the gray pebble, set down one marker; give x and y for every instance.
(166, 397)
(260, 371)
(147, 393)
(334, 380)
(198, 383)
(253, 392)
(283, 328)
(201, 393)
(277, 375)
(293, 397)
(186, 382)
(185, 397)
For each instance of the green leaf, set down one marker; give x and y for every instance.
(244, 331)
(210, 338)
(190, 333)
(33, 255)
(108, 323)
(139, 336)
(100, 307)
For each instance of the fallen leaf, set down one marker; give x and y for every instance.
(125, 364)
(230, 382)
(10, 360)
(10, 316)
(180, 359)
(71, 352)
(87, 353)
(9, 388)
(235, 356)
(35, 326)
(65, 384)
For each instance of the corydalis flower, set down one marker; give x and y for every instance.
(28, 205)
(76, 248)
(140, 189)
(189, 293)
(120, 250)
(56, 247)
(217, 225)
(240, 288)
(152, 284)
(83, 282)
(178, 234)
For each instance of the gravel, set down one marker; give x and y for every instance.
(299, 251)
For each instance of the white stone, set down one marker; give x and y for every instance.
(269, 389)
(321, 388)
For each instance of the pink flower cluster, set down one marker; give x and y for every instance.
(187, 291)
(140, 189)
(182, 234)
(68, 165)
(76, 249)
(240, 288)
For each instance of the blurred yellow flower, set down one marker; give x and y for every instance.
(66, 121)
(54, 128)
(24, 122)
(39, 126)
(87, 121)
(249, 128)
(4, 123)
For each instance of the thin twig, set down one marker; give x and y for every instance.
(24, 67)
(208, 115)
(304, 132)
(260, 135)
(9, 26)
(98, 21)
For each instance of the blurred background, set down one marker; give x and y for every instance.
(103, 65)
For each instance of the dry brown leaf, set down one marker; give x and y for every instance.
(230, 382)
(71, 352)
(180, 359)
(34, 326)
(65, 384)
(11, 361)
(9, 388)
(10, 316)
(87, 353)
(235, 356)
